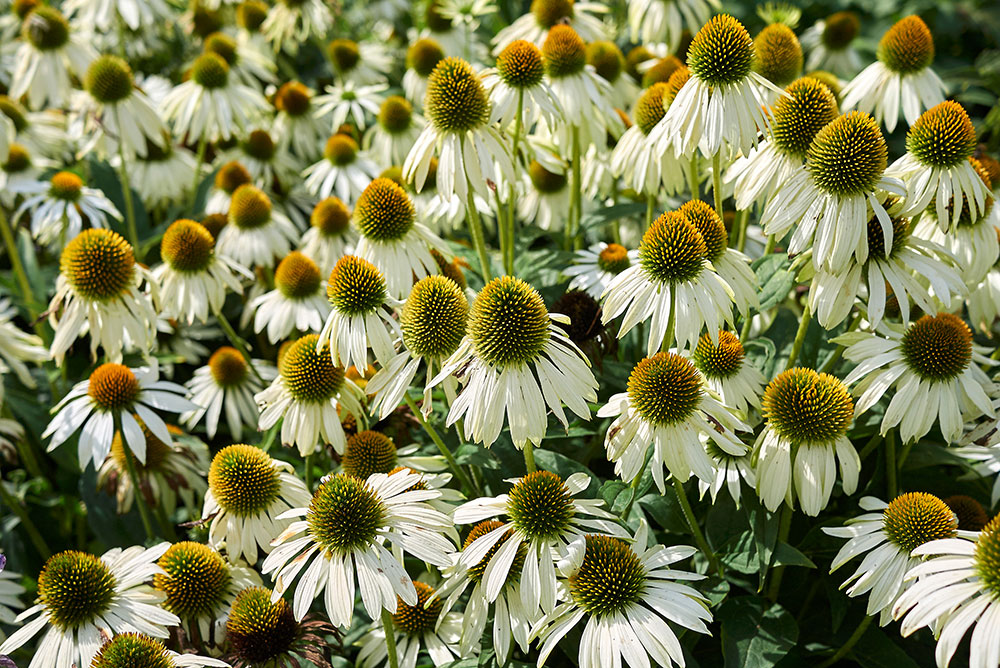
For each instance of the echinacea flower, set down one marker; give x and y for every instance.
(546, 198)
(543, 15)
(291, 23)
(517, 82)
(370, 452)
(348, 102)
(227, 386)
(295, 124)
(635, 157)
(346, 526)
(268, 162)
(297, 303)
(250, 65)
(162, 176)
(50, 53)
(396, 128)
(422, 56)
(828, 44)
(330, 235)
(135, 649)
(343, 170)
(18, 347)
(58, 207)
(230, 176)
(361, 63)
(594, 268)
(256, 234)
(728, 372)
(777, 56)
(655, 21)
(247, 493)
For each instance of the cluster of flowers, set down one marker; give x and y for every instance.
(314, 194)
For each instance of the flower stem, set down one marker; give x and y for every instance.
(478, 238)
(529, 457)
(309, 472)
(133, 234)
(36, 538)
(15, 262)
(576, 193)
(508, 258)
(891, 470)
(390, 638)
(784, 528)
(668, 336)
(699, 537)
(693, 176)
(140, 500)
(650, 209)
(800, 337)
(849, 645)
(199, 161)
(741, 229)
(717, 182)
(238, 343)
(459, 472)
(634, 485)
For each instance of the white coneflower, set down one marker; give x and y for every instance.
(655, 21)
(296, 124)
(728, 372)
(933, 366)
(346, 525)
(135, 14)
(291, 23)
(330, 235)
(594, 268)
(80, 596)
(136, 649)
(247, 493)
(297, 302)
(396, 129)
(828, 44)
(99, 293)
(722, 104)
(226, 386)
(886, 536)
(362, 63)
(343, 170)
(267, 161)
(472, 151)
(673, 283)
(546, 198)
(828, 201)
(796, 117)
(667, 408)
(256, 234)
(544, 15)
(432, 323)
(515, 362)
(341, 103)
(250, 65)
(230, 176)
(984, 299)
(777, 57)
(161, 177)
(422, 56)
(517, 81)
(956, 588)
(41, 132)
(105, 402)
(50, 53)
(58, 207)
(370, 452)
(730, 470)
(901, 79)
(17, 346)
(193, 278)
(309, 393)
(807, 415)
(20, 168)
(635, 157)
(211, 105)
(626, 591)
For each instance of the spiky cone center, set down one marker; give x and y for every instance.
(228, 367)
(108, 79)
(674, 85)
(345, 514)
(475, 573)
(943, 136)
(938, 347)
(778, 54)
(156, 450)
(987, 557)
(606, 59)
(297, 277)
(340, 149)
(436, 21)
(99, 264)
(915, 518)
(549, 13)
(584, 315)
(132, 650)
(257, 628)
(807, 407)
(840, 29)
(113, 387)
(195, 580)
(416, 620)
(395, 115)
(876, 236)
(651, 108)
(965, 215)
(15, 112)
(450, 268)
(45, 28)
(970, 513)
(231, 176)
(243, 480)
(722, 52)
(661, 71)
(356, 287)
(259, 145)
(214, 222)
(294, 99)
(798, 116)
(65, 186)
(384, 212)
(210, 71)
(223, 46)
(423, 56)
(456, 100)
(848, 155)
(187, 246)
(703, 216)
(249, 208)
(331, 217)
(672, 249)
(75, 588)
(636, 56)
(18, 159)
(544, 181)
(563, 52)
(722, 360)
(521, 64)
(250, 15)
(665, 389)
(540, 505)
(508, 324)
(345, 54)
(368, 452)
(309, 374)
(434, 317)
(907, 47)
(613, 259)
(610, 579)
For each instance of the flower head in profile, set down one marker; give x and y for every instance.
(296, 124)
(330, 235)
(829, 44)
(291, 23)
(396, 128)
(17, 347)
(636, 158)
(652, 21)
(518, 82)
(594, 268)
(50, 53)
(120, 112)
(422, 56)
(59, 206)
(777, 55)
(727, 371)
(343, 171)
(544, 15)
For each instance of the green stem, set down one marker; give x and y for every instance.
(576, 193)
(511, 216)
(529, 457)
(165, 523)
(650, 209)
(390, 638)
(693, 176)
(634, 485)
(478, 238)
(849, 645)
(140, 500)
(784, 528)
(200, 160)
(668, 336)
(742, 217)
(872, 443)
(36, 538)
(699, 537)
(772, 241)
(309, 472)
(15, 262)
(717, 182)
(238, 343)
(133, 234)
(459, 472)
(891, 467)
(800, 337)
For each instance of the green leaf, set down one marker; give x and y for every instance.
(665, 511)
(786, 555)
(775, 277)
(608, 214)
(755, 634)
(875, 649)
(563, 465)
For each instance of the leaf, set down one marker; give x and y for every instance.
(875, 649)
(765, 533)
(562, 465)
(786, 555)
(775, 277)
(666, 511)
(608, 214)
(754, 633)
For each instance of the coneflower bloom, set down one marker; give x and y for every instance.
(291, 23)
(162, 176)
(343, 170)
(828, 44)
(138, 649)
(517, 81)
(346, 526)
(330, 235)
(297, 303)
(349, 103)
(100, 292)
(635, 157)
(18, 347)
(396, 128)
(256, 234)
(933, 366)
(247, 494)
(50, 53)
(516, 361)
(250, 65)
(901, 79)
(58, 207)
(422, 56)
(807, 415)
(544, 15)
(230, 176)
(267, 161)
(594, 268)
(362, 63)
(728, 372)
(226, 385)
(295, 124)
